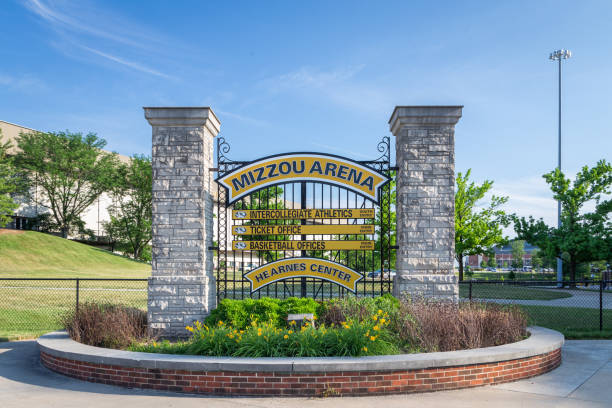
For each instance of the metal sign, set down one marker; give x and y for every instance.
(303, 167)
(303, 267)
(304, 214)
(303, 224)
(324, 229)
(295, 245)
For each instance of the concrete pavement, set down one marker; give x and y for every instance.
(583, 380)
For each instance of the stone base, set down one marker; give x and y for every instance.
(443, 287)
(177, 301)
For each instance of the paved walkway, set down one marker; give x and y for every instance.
(583, 380)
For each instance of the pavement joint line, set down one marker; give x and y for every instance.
(538, 394)
(569, 395)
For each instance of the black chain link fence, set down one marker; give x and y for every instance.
(575, 308)
(30, 307)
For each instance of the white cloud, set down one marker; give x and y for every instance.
(341, 86)
(341, 150)
(23, 82)
(129, 64)
(82, 25)
(531, 196)
(246, 119)
(82, 18)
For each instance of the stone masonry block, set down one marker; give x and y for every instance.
(181, 287)
(425, 208)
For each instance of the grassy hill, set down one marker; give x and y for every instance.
(29, 254)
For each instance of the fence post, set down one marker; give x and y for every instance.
(470, 296)
(601, 305)
(77, 295)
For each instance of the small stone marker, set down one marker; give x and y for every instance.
(301, 319)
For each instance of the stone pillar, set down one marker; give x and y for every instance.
(182, 285)
(425, 149)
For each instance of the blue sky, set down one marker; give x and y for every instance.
(322, 76)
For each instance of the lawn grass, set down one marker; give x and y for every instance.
(27, 311)
(501, 291)
(481, 275)
(573, 322)
(36, 255)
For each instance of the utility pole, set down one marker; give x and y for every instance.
(559, 55)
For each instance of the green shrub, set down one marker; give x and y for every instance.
(351, 338)
(240, 313)
(338, 310)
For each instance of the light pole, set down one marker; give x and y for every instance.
(559, 55)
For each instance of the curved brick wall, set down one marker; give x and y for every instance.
(298, 381)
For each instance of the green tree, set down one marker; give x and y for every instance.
(9, 185)
(131, 212)
(518, 251)
(477, 229)
(536, 260)
(71, 170)
(483, 264)
(582, 236)
(491, 262)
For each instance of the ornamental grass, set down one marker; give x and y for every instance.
(105, 325)
(347, 326)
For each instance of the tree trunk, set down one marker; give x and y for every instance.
(573, 265)
(461, 269)
(64, 232)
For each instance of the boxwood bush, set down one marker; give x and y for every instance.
(240, 313)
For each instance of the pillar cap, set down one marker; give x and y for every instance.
(423, 116)
(183, 116)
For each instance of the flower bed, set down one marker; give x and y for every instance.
(342, 327)
(324, 376)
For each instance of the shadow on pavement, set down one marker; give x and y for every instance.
(20, 363)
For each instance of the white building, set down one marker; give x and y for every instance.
(93, 217)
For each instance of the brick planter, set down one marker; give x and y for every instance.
(305, 376)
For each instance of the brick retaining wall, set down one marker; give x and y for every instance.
(244, 383)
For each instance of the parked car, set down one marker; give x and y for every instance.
(376, 274)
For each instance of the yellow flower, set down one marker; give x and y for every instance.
(154, 344)
(380, 311)
(259, 333)
(365, 348)
(189, 328)
(314, 317)
(375, 317)
(376, 328)
(285, 337)
(382, 321)
(372, 338)
(290, 332)
(292, 323)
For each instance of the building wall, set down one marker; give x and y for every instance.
(94, 216)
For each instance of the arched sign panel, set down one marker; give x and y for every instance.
(303, 167)
(303, 267)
